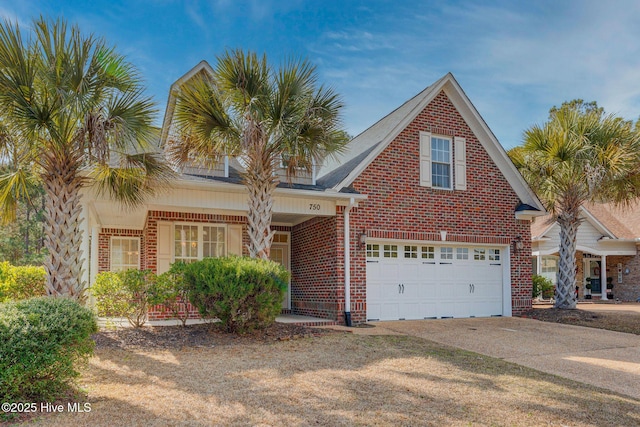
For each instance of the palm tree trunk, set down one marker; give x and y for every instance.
(565, 289)
(261, 186)
(62, 227)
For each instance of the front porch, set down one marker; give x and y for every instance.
(599, 276)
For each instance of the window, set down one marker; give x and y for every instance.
(443, 158)
(411, 252)
(390, 251)
(440, 162)
(549, 268)
(494, 254)
(213, 241)
(428, 252)
(446, 253)
(125, 253)
(197, 241)
(373, 251)
(479, 254)
(462, 253)
(186, 243)
(280, 238)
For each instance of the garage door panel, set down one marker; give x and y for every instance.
(435, 287)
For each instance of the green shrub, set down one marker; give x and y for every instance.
(21, 282)
(42, 340)
(243, 293)
(542, 286)
(171, 291)
(123, 294)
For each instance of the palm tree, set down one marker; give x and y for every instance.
(580, 155)
(263, 117)
(77, 111)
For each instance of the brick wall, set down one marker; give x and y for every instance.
(397, 206)
(317, 284)
(629, 289)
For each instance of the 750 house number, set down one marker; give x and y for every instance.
(314, 206)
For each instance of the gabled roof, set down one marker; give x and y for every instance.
(622, 222)
(364, 148)
(613, 222)
(202, 67)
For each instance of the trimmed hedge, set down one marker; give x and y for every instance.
(124, 294)
(243, 293)
(171, 291)
(42, 340)
(21, 282)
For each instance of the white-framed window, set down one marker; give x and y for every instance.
(479, 254)
(494, 254)
(373, 250)
(193, 242)
(214, 238)
(125, 253)
(390, 251)
(428, 252)
(410, 251)
(446, 253)
(462, 253)
(441, 162)
(443, 158)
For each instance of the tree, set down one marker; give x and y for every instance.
(263, 116)
(580, 155)
(74, 114)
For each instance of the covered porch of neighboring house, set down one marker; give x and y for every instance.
(599, 273)
(201, 217)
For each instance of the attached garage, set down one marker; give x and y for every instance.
(406, 281)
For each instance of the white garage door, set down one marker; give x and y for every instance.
(409, 281)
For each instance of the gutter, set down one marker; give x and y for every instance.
(347, 263)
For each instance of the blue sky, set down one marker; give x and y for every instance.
(514, 59)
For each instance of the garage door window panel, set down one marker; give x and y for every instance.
(428, 252)
(411, 252)
(446, 253)
(479, 254)
(373, 251)
(390, 251)
(462, 253)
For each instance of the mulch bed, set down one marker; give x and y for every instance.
(199, 335)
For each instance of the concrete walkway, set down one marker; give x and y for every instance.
(606, 359)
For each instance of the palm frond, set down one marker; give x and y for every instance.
(137, 177)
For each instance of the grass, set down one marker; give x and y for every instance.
(335, 379)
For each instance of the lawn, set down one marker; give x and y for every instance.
(333, 379)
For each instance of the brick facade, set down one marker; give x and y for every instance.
(398, 207)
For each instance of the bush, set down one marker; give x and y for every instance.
(171, 291)
(243, 293)
(17, 283)
(41, 342)
(124, 294)
(542, 286)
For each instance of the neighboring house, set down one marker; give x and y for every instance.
(437, 219)
(607, 251)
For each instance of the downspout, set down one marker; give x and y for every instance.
(347, 264)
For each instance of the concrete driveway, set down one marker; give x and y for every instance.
(606, 359)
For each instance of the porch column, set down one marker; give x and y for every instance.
(603, 276)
